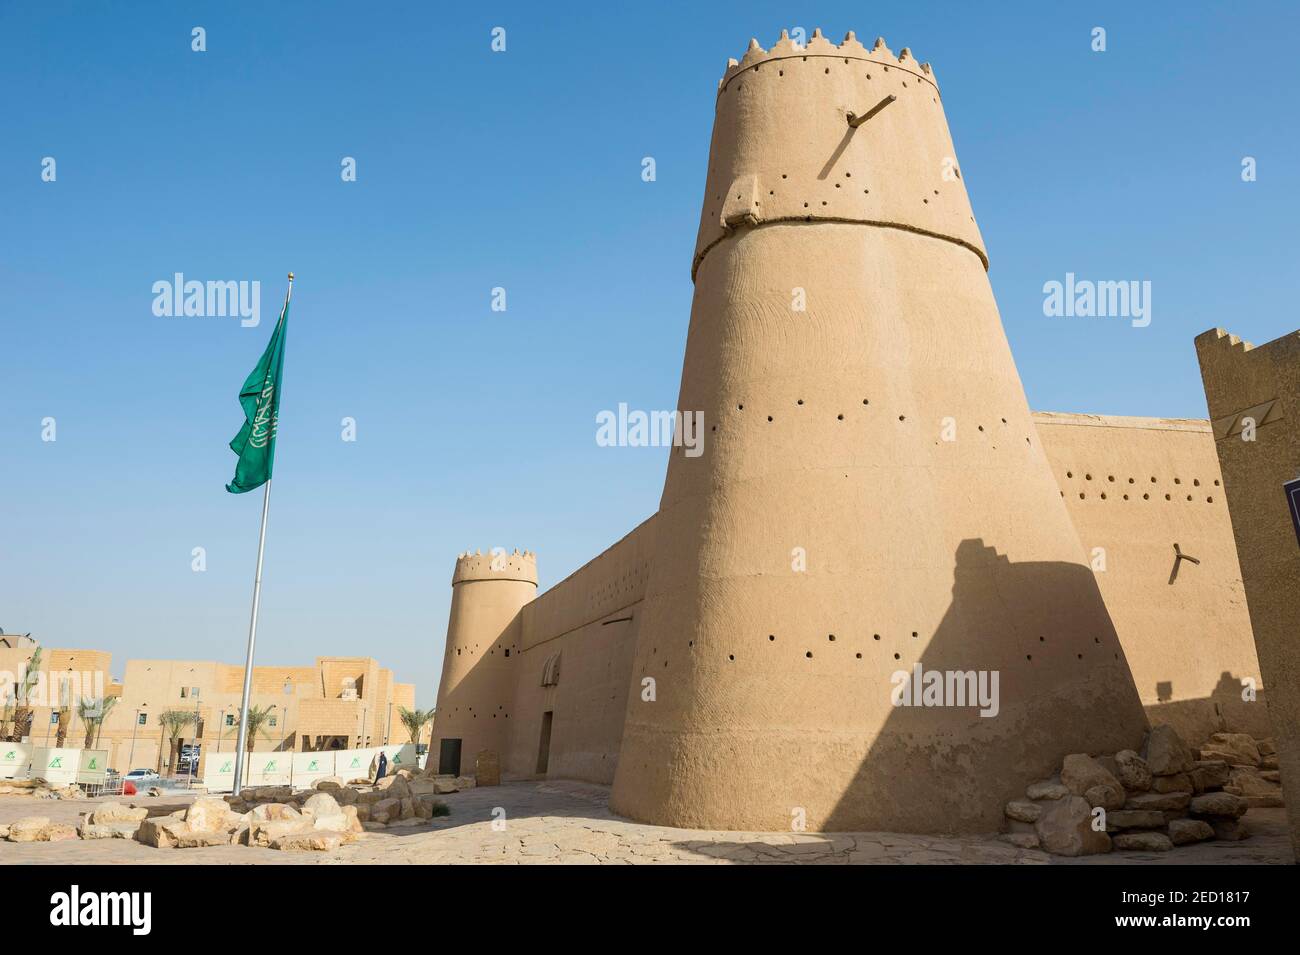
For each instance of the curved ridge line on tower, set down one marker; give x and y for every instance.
(812, 220)
(927, 78)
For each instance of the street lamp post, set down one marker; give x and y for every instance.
(221, 727)
(130, 759)
(288, 691)
(194, 749)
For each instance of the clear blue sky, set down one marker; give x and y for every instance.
(522, 170)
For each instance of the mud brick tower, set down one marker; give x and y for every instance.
(872, 494)
(478, 675)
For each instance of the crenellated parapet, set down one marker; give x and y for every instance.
(496, 564)
(819, 46)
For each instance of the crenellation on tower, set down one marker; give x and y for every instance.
(818, 46)
(496, 564)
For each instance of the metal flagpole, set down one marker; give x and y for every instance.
(252, 623)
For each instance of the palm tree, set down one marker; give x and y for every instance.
(415, 721)
(93, 713)
(174, 723)
(22, 718)
(257, 719)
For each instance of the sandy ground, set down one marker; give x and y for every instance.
(568, 822)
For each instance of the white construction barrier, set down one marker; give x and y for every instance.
(401, 756)
(55, 765)
(219, 771)
(309, 767)
(350, 764)
(303, 770)
(15, 760)
(92, 767)
(269, 769)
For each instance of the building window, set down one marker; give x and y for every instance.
(273, 721)
(230, 719)
(141, 719)
(185, 691)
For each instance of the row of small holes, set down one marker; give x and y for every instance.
(1196, 482)
(740, 84)
(1145, 497)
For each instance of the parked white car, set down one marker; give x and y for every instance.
(141, 775)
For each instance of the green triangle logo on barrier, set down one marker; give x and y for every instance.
(56, 763)
(227, 767)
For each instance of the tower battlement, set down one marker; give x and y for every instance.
(818, 45)
(518, 565)
(1218, 338)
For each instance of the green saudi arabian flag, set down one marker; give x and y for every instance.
(260, 397)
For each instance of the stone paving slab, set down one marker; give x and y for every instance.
(570, 823)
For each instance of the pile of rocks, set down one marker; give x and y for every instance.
(40, 789)
(326, 817)
(1253, 771)
(319, 823)
(37, 829)
(444, 784)
(395, 801)
(1153, 801)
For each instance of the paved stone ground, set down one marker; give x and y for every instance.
(569, 822)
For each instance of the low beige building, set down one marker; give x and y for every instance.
(336, 703)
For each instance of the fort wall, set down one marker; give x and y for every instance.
(1254, 398)
(578, 641)
(1141, 491)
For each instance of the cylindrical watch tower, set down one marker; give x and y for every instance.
(478, 665)
(872, 497)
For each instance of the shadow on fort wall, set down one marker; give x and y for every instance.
(1223, 711)
(1064, 687)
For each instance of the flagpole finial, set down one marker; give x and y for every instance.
(290, 276)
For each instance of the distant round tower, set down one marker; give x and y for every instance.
(872, 497)
(474, 695)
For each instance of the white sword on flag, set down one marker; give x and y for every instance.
(252, 623)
